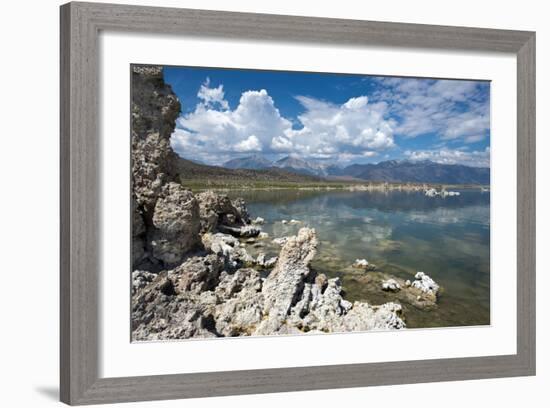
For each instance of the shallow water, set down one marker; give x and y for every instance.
(402, 233)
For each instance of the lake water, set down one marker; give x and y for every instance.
(402, 233)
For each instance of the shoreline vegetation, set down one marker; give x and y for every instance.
(193, 275)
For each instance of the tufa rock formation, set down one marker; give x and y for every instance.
(203, 297)
(154, 191)
(176, 224)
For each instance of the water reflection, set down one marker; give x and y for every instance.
(401, 232)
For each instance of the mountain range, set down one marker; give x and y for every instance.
(255, 162)
(398, 171)
(191, 171)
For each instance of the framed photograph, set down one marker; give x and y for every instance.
(261, 203)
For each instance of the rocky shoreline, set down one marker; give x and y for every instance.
(192, 275)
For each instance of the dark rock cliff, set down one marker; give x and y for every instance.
(165, 215)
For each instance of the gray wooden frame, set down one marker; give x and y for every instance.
(80, 233)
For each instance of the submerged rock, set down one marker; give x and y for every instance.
(397, 289)
(364, 264)
(391, 285)
(258, 220)
(426, 285)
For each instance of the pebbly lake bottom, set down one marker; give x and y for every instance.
(401, 232)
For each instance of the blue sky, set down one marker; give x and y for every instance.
(329, 118)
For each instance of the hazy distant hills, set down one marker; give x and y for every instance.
(254, 162)
(419, 171)
(301, 166)
(189, 171)
(387, 171)
(290, 163)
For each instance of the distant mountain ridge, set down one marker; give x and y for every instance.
(397, 171)
(291, 164)
(301, 166)
(255, 162)
(424, 171)
(189, 171)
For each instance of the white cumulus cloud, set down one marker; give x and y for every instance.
(250, 144)
(353, 127)
(211, 133)
(214, 132)
(212, 96)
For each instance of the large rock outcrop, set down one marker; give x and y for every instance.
(176, 224)
(219, 213)
(155, 108)
(159, 236)
(286, 282)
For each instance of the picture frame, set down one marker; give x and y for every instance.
(81, 24)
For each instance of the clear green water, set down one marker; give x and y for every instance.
(400, 232)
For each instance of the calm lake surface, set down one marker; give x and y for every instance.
(402, 233)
